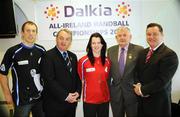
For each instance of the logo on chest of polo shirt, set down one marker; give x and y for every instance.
(24, 62)
(90, 69)
(2, 67)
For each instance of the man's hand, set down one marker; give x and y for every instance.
(76, 95)
(72, 97)
(5, 88)
(137, 89)
(8, 99)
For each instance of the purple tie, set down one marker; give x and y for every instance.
(121, 61)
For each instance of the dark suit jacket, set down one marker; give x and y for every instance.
(58, 80)
(122, 86)
(155, 77)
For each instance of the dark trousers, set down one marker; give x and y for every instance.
(24, 110)
(96, 110)
(62, 110)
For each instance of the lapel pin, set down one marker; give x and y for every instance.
(130, 56)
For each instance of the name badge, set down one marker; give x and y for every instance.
(90, 69)
(24, 62)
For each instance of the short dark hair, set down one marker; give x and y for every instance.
(103, 50)
(155, 25)
(31, 23)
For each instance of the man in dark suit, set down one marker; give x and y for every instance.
(62, 85)
(123, 98)
(155, 69)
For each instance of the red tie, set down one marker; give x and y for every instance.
(149, 54)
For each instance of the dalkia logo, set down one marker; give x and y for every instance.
(90, 10)
(123, 10)
(52, 12)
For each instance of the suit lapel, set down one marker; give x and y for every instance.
(129, 58)
(154, 57)
(72, 63)
(144, 59)
(62, 59)
(115, 58)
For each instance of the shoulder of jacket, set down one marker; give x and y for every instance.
(14, 48)
(137, 46)
(83, 58)
(113, 47)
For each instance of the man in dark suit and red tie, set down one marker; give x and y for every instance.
(62, 85)
(156, 67)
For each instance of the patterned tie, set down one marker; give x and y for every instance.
(149, 54)
(67, 60)
(121, 61)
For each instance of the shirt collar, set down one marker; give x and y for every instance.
(60, 50)
(26, 46)
(125, 48)
(156, 46)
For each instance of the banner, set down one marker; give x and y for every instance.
(83, 17)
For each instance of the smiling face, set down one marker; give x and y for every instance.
(63, 40)
(153, 36)
(29, 34)
(96, 45)
(123, 36)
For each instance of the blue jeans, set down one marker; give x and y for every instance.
(24, 110)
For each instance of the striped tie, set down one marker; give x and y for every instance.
(67, 60)
(149, 54)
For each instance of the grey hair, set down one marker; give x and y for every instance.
(65, 30)
(122, 28)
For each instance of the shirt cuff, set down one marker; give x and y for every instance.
(142, 93)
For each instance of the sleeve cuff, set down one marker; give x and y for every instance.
(142, 93)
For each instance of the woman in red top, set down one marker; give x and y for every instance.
(94, 70)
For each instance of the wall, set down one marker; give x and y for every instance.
(165, 12)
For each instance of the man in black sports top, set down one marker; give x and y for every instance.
(23, 59)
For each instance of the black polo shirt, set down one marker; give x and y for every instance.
(24, 62)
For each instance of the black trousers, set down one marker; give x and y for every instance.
(61, 110)
(96, 110)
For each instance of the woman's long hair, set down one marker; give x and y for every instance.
(103, 50)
